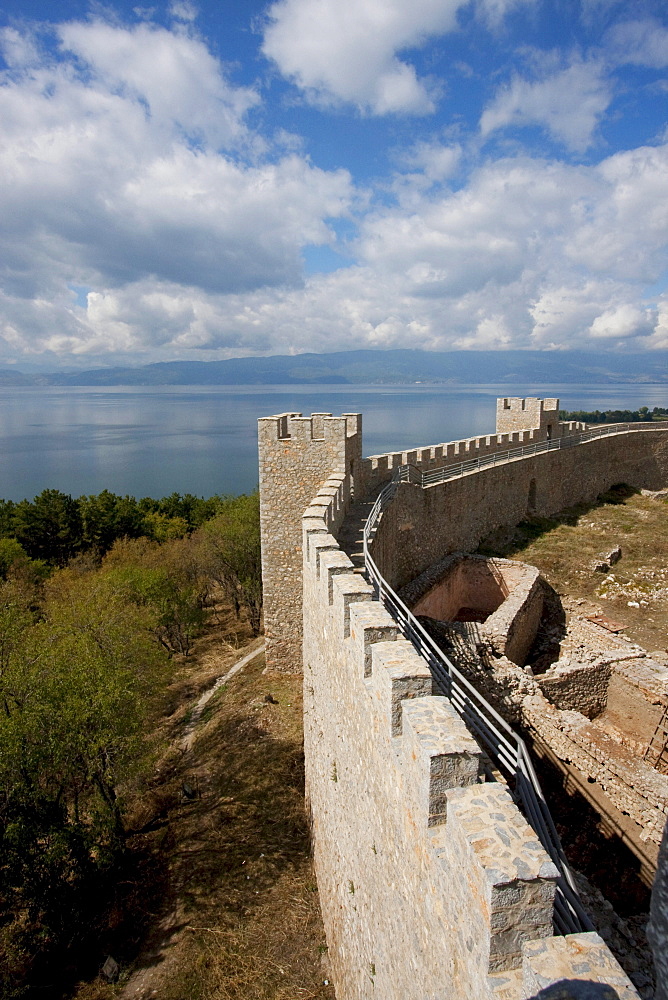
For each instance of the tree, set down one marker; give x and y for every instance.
(76, 684)
(106, 517)
(231, 552)
(50, 527)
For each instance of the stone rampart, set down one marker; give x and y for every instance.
(423, 525)
(432, 884)
(378, 469)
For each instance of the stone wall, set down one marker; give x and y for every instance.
(297, 455)
(423, 525)
(516, 427)
(582, 687)
(432, 884)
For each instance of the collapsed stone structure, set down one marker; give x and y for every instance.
(432, 884)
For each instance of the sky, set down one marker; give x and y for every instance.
(198, 181)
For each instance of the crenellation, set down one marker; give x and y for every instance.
(439, 746)
(348, 588)
(398, 673)
(331, 564)
(370, 623)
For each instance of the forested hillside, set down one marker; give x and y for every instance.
(100, 598)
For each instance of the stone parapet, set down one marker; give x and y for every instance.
(575, 967)
(431, 882)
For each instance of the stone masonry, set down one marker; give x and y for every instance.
(297, 455)
(432, 885)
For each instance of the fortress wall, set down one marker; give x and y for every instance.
(512, 432)
(297, 455)
(379, 468)
(422, 526)
(432, 885)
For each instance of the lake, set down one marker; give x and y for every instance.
(153, 441)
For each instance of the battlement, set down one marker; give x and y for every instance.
(317, 427)
(428, 875)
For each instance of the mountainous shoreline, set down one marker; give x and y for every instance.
(375, 367)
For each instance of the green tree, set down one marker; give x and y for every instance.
(49, 527)
(231, 553)
(75, 689)
(106, 517)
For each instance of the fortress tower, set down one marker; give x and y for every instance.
(297, 456)
(530, 414)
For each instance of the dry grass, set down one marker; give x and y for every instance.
(225, 890)
(565, 546)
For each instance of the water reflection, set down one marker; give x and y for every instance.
(202, 439)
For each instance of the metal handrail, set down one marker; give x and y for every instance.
(504, 746)
(457, 469)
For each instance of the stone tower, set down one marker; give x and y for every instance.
(517, 414)
(297, 455)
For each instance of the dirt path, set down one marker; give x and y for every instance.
(189, 734)
(162, 949)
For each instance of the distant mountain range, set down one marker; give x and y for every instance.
(379, 367)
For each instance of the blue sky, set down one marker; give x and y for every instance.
(209, 180)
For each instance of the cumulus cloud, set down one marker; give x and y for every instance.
(511, 258)
(113, 172)
(345, 50)
(143, 217)
(568, 104)
(180, 83)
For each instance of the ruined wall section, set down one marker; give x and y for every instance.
(297, 454)
(423, 525)
(432, 885)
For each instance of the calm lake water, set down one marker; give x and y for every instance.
(152, 441)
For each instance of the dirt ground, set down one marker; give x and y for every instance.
(225, 896)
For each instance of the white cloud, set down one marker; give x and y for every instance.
(114, 182)
(183, 10)
(568, 104)
(346, 50)
(179, 84)
(103, 188)
(498, 263)
(641, 43)
(623, 323)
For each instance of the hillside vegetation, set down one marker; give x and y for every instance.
(101, 599)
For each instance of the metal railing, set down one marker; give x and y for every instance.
(457, 469)
(504, 747)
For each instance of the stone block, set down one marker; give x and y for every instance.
(331, 564)
(348, 588)
(441, 752)
(398, 673)
(370, 623)
(513, 873)
(574, 967)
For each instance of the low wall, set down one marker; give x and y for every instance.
(379, 468)
(582, 687)
(432, 885)
(423, 525)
